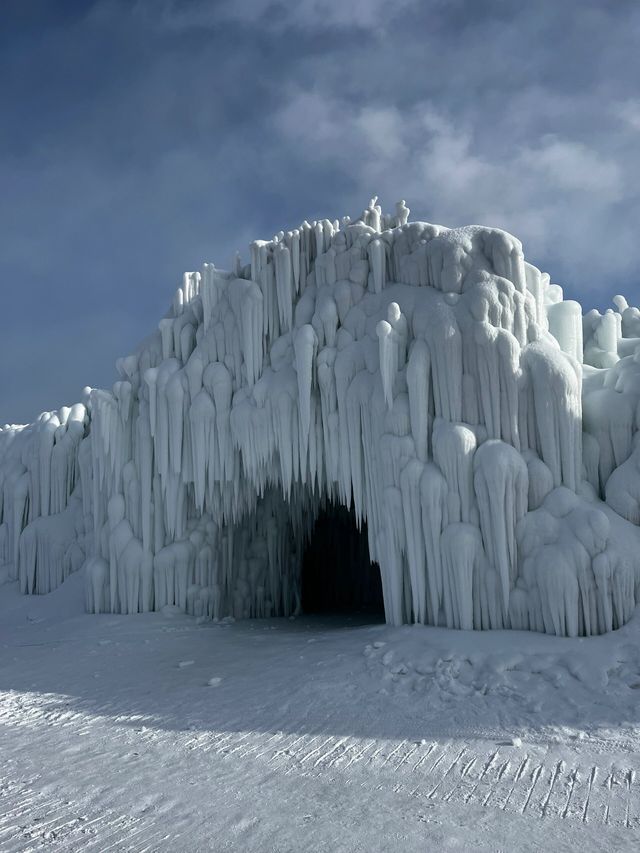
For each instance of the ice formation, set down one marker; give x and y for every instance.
(429, 378)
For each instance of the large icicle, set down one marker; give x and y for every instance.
(501, 482)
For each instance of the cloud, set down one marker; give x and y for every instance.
(574, 167)
(272, 15)
(559, 194)
(145, 136)
(629, 112)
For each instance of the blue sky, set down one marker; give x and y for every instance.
(140, 138)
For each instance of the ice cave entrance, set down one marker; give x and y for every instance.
(338, 576)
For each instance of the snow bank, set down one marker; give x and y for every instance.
(429, 377)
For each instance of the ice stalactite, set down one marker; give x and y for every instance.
(434, 509)
(418, 384)
(556, 403)
(463, 561)
(392, 336)
(501, 482)
(428, 379)
(453, 448)
(565, 324)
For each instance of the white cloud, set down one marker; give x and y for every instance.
(573, 166)
(381, 128)
(558, 194)
(629, 112)
(358, 14)
(274, 15)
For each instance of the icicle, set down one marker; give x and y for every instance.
(557, 405)
(175, 396)
(202, 415)
(252, 330)
(410, 481)
(462, 556)
(305, 346)
(565, 324)
(433, 499)
(377, 261)
(453, 449)
(284, 284)
(501, 484)
(418, 380)
(388, 359)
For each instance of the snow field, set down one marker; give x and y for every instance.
(323, 734)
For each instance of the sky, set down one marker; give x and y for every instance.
(140, 138)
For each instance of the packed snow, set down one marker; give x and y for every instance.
(428, 378)
(164, 733)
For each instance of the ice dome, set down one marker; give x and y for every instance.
(427, 380)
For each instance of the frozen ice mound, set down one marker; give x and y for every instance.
(428, 377)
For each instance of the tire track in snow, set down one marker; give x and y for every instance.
(459, 793)
(574, 778)
(38, 822)
(592, 779)
(359, 755)
(557, 771)
(426, 755)
(501, 772)
(631, 776)
(449, 769)
(536, 773)
(483, 773)
(454, 772)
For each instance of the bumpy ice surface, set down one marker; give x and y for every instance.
(429, 378)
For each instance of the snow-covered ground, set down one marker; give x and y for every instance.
(154, 732)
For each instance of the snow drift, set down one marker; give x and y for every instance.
(430, 378)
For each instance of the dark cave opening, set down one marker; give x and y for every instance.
(337, 573)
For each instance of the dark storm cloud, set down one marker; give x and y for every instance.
(141, 137)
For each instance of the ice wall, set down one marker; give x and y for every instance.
(46, 525)
(429, 377)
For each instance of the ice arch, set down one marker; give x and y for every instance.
(429, 377)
